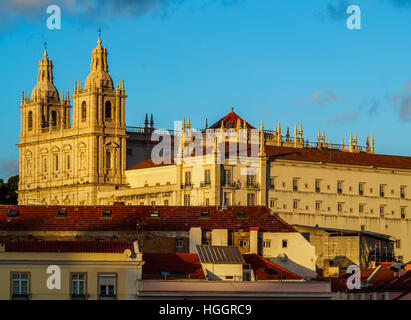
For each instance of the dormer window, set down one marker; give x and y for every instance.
(240, 214)
(154, 213)
(204, 213)
(13, 213)
(106, 213)
(61, 213)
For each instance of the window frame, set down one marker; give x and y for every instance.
(317, 185)
(71, 285)
(115, 284)
(361, 188)
(28, 283)
(295, 184)
(402, 192)
(340, 187)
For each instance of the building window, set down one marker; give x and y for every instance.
(382, 189)
(30, 121)
(226, 198)
(54, 118)
(207, 202)
(339, 187)
(187, 178)
(285, 244)
(402, 212)
(207, 177)
(362, 227)
(361, 208)
(272, 185)
(266, 243)
(179, 243)
(187, 200)
(317, 186)
(243, 244)
(44, 164)
(78, 286)
(402, 192)
(272, 203)
(56, 162)
(108, 110)
(250, 199)
(295, 204)
(361, 189)
(83, 111)
(166, 202)
(227, 177)
(68, 162)
(153, 203)
(398, 244)
(108, 159)
(251, 180)
(340, 207)
(107, 286)
(317, 205)
(382, 211)
(295, 184)
(20, 286)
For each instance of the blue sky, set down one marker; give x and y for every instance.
(290, 61)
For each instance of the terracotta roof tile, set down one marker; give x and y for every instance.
(230, 121)
(338, 157)
(178, 265)
(267, 270)
(129, 218)
(67, 246)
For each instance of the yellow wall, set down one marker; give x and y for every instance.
(128, 271)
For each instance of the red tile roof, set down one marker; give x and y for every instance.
(337, 284)
(382, 276)
(130, 218)
(267, 270)
(402, 283)
(230, 121)
(179, 265)
(318, 155)
(338, 157)
(150, 164)
(207, 150)
(67, 246)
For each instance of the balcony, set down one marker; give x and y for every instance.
(252, 185)
(20, 296)
(187, 186)
(107, 296)
(205, 184)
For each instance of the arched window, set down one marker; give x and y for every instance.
(56, 162)
(108, 110)
(108, 159)
(83, 111)
(54, 118)
(30, 121)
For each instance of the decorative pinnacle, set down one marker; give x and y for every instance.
(99, 38)
(45, 49)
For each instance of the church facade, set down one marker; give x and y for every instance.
(64, 162)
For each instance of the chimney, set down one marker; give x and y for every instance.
(254, 240)
(195, 238)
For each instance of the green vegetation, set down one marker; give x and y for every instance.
(8, 190)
